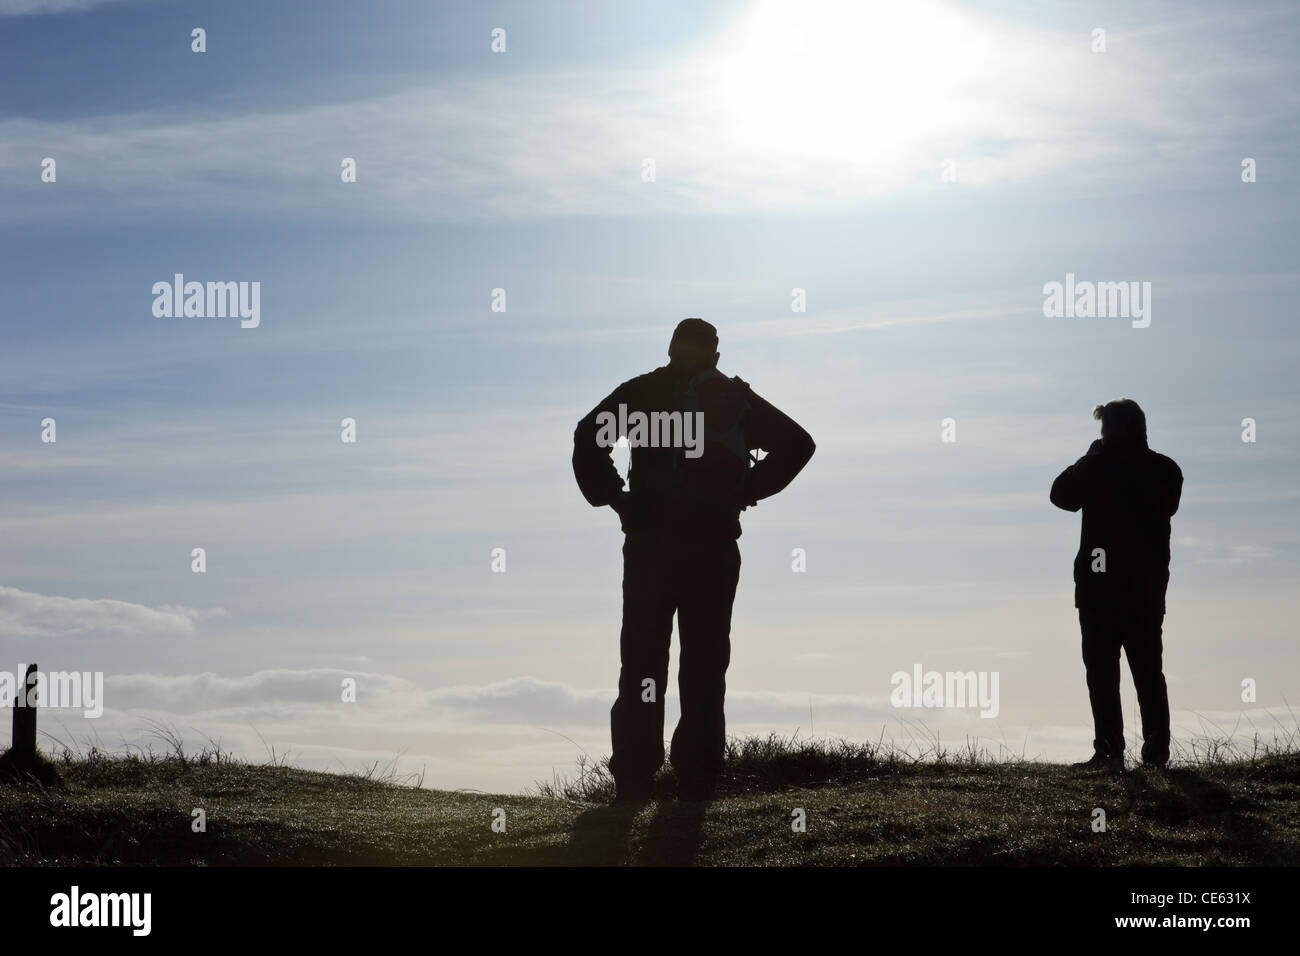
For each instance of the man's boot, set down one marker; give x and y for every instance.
(1109, 763)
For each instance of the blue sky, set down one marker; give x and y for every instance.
(795, 146)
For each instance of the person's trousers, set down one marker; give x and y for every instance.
(696, 579)
(1138, 632)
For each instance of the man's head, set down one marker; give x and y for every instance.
(694, 345)
(1122, 421)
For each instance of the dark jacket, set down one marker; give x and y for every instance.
(649, 503)
(1128, 493)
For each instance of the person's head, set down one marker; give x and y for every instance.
(1122, 421)
(694, 345)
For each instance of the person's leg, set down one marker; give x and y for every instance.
(636, 721)
(1144, 647)
(711, 570)
(1101, 647)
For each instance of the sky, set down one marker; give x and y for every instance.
(915, 172)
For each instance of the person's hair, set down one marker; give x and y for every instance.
(697, 332)
(1121, 418)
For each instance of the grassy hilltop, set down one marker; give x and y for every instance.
(863, 805)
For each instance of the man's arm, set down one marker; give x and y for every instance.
(1173, 490)
(593, 466)
(1072, 487)
(788, 449)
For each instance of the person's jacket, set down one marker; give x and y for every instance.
(652, 504)
(1128, 493)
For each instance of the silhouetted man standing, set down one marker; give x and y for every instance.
(690, 477)
(1128, 493)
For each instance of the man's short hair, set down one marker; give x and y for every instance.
(1123, 418)
(697, 332)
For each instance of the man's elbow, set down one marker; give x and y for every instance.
(584, 439)
(804, 448)
(1058, 497)
(577, 457)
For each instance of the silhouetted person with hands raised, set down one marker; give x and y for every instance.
(690, 429)
(1127, 493)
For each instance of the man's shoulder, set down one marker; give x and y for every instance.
(730, 384)
(1165, 464)
(638, 383)
(740, 384)
(663, 376)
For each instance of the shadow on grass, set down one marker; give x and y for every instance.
(1212, 803)
(675, 835)
(600, 836)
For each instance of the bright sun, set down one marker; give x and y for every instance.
(846, 81)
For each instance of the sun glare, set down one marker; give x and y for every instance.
(845, 81)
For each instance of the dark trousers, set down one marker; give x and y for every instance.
(1138, 632)
(696, 579)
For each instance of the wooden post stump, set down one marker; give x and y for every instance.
(24, 739)
(21, 763)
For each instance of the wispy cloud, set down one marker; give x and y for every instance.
(25, 614)
(528, 701)
(1240, 554)
(21, 8)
